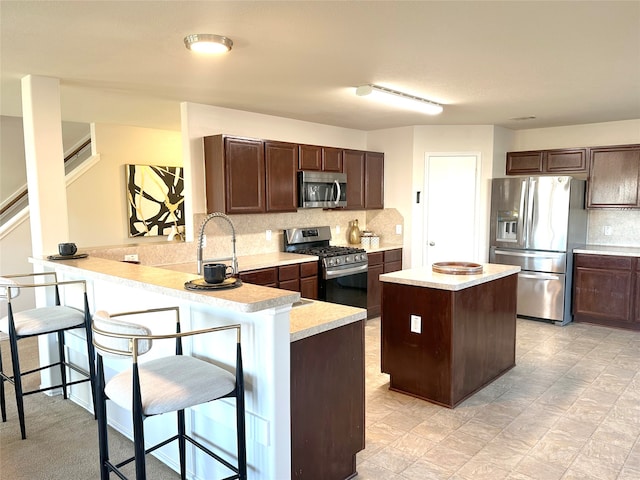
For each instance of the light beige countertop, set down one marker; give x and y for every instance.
(307, 317)
(247, 298)
(609, 250)
(249, 262)
(310, 317)
(425, 277)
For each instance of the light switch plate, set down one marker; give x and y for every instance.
(398, 229)
(608, 230)
(268, 235)
(416, 324)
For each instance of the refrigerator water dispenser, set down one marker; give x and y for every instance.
(507, 228)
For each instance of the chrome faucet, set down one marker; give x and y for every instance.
(233, 258)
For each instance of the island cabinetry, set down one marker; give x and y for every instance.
(327, 403)
(614, 178)
(379, 263)
(365, 179)
(298, 277)
(606, 290)
(326, 159)
(557, 162)
(442, 345)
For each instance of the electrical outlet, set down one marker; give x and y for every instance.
(204, 241)
(398, 229)
(133, 257)
(337, 229)
(416, 324)
(608, 230)
(268, 235)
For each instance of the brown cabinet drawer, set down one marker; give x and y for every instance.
(375, 258)
(393, 255)
(265, 276)
(392, 266)
(293, 285)
(308, 269)
(288, 272)
(604, 261)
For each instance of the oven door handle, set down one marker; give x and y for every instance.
(329, 274)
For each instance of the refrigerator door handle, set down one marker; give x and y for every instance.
(529, 254)
(540, 276)
(521, 220)
(530, 207)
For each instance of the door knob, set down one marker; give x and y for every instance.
(432, 244)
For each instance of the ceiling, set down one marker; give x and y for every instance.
(565, 63)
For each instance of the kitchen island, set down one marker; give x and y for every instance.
(272, 329)
(444, 337)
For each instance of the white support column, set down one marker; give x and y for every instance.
(45, 163)
(44, 154)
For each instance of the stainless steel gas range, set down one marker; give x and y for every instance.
(342, 269)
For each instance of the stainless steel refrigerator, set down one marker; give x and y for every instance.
(535, 224)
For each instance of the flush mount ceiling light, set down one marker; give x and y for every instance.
(208, 43)
(399, 99)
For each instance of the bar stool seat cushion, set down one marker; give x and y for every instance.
(43, 320)
(171, 383)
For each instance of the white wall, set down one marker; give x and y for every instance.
(397, 145)
(405, 151)
(589, 135)
(97, 202)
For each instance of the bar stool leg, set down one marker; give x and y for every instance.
(182, 444)
(3, 404)
(101, 415)
(63, 368)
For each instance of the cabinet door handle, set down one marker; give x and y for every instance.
(432, 243)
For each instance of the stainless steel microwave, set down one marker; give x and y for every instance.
(322, 189)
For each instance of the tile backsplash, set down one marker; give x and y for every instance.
(624, 227)
(251, 234)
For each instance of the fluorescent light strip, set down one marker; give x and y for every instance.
(399, 99)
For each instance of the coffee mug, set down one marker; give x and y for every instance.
(216, 272)
(66, 249)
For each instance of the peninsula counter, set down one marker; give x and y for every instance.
(271, 326)
(444, 337)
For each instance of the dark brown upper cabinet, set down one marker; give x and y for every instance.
(565, 161)
(234, 174)
(326, 159)
(281, 164)
(365, 179)
(614, 178)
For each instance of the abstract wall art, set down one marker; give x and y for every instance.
(155, 198)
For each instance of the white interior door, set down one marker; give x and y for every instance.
(451, 186)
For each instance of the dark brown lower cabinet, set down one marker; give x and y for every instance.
(327, 403)
(301, 278)
(606, 290)
(380, 262)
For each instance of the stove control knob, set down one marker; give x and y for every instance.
(338, 261)
(330, 261)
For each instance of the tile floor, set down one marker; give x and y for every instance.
(569, 410)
